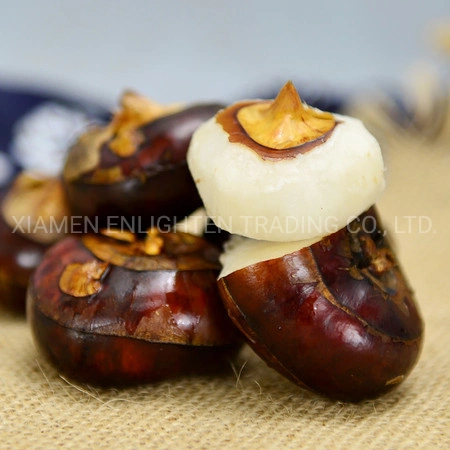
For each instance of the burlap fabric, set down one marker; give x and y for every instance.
(253, 407)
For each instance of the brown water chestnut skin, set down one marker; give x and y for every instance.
(140, 175)
(337, 318)
(119, 311)
(19, 257)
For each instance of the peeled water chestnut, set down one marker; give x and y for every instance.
(115, 309)
(134, 168)
(336, 317)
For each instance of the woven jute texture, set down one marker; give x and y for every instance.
(253, 407)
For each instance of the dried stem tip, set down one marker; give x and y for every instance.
(135, 111)
(154, 243)
(284, 122)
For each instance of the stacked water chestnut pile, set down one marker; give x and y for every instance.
(305, 274)
(308, 275)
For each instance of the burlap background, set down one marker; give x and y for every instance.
(257, 408)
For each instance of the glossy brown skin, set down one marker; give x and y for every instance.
(337, 318)
(19, 257)
(141, 326)
(157, 184)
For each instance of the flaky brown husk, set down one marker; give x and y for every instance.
(337, 318)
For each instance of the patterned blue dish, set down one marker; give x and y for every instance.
(35, 122)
